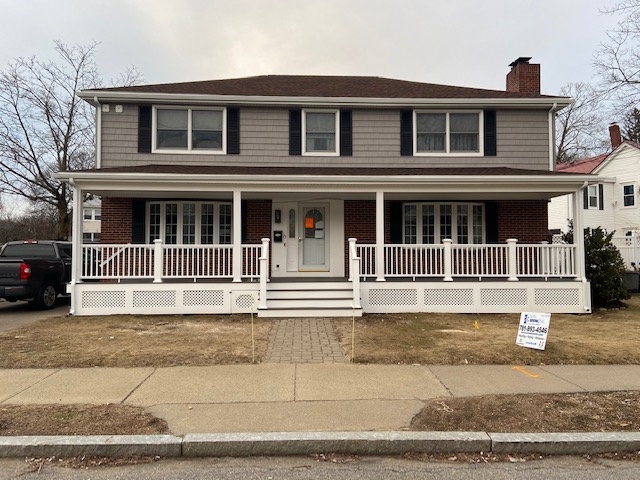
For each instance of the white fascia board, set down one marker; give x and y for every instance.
(195, 99)
(334, 183)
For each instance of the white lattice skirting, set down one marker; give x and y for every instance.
(166, 298)
(481, 297)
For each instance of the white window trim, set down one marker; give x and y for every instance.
(635, 197)
(336, 153)
(93, 211)
(448, 152)
(597, 206)
(180, 223)
(454, 222)
(188, 150)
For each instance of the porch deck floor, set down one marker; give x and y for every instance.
(304, 340)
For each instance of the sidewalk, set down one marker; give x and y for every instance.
(297, 398)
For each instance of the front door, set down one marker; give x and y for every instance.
(314, 238)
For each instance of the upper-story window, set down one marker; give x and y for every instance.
(92, 213)
(320, 132)
(189, 130)
(593, 196)
(443, 133)
(629, 195)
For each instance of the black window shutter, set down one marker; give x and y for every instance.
(491, 221)
(585, 198)
(346, 133)
(233, 131)
(144, 129)
(395, 222)
(295, 132)
(490, 148)
(406, 133)
(601, 196)
(243, 219)
(138, 216)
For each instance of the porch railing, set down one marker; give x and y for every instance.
(158, 261)
(450, 261)
(629, 247)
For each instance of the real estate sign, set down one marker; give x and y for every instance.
(533, 330)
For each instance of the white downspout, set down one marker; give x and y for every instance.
(552, 137)
(98, 132)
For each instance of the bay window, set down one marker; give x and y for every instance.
(189, 223)
(430, 223)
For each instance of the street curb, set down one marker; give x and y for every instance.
(100, 445)
(565, 443)
(305, 443)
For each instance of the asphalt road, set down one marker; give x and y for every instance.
(303, 468)
(18, 314)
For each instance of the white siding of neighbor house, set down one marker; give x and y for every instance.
(522, 142)
(624, 166)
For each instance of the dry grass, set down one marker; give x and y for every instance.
(562, 412)
(605, 337)
(133, 341)
(78, 420)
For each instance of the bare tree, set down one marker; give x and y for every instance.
(581, 128)
(45, 128)
(617, 60)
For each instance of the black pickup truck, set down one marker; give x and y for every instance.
(34, 270)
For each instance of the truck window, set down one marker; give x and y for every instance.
(29, 250)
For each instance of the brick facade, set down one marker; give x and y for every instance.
(258, 220)
(116, 220)
(524, 220)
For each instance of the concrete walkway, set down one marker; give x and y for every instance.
(290, 398)
(304, 340)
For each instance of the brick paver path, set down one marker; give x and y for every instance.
(304, 340)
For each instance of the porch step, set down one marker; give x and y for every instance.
(309, 299)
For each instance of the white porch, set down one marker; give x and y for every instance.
(372, 277)
(174, 279)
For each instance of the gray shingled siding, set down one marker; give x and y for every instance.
(522, 141)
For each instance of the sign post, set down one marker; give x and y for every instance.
(533, 330)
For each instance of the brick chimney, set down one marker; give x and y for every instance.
(615, 135)
(524, 77)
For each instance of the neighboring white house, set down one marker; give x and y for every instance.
(92, 219)
(612, 204)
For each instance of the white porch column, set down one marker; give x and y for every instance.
(76, 245)
(380, 237)
(578, 235)
(237, 236)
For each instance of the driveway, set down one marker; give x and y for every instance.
(14, 315)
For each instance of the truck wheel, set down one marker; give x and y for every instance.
(46, 297)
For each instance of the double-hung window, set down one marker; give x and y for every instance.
(189, 223)
(430, 223)
(448, 133)
(189, 130)
(629, 195)
(320, 132)
(592, 196)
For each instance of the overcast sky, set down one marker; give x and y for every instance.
(456, 42)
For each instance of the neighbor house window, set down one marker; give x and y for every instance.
(189, 222)
(430, 223)
(457, 133)
(92, 213)
(593, 196)
(629, 195)
(191, 130)
(320, 132)
(91, 237)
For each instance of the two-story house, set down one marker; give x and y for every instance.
(611, 204)
(326, 195)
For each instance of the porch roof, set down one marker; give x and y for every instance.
(479, 183)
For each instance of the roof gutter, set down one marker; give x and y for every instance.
(93, 96)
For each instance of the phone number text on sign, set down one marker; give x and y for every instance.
(533, 330)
